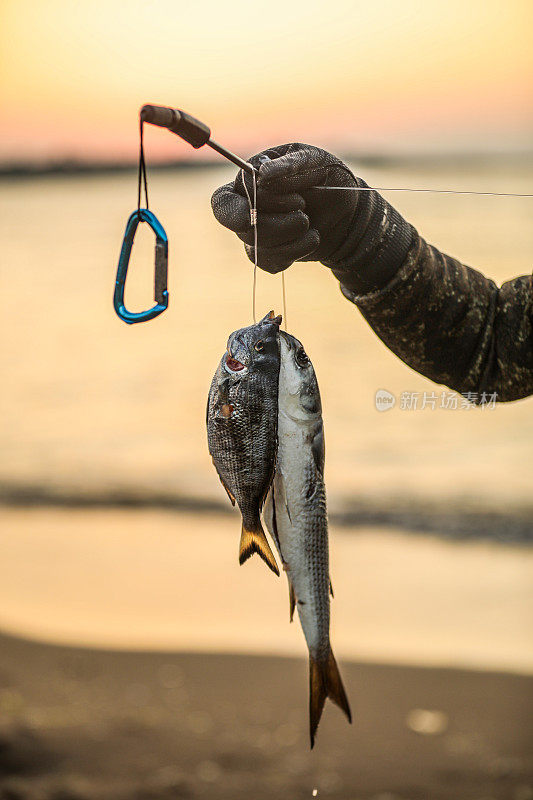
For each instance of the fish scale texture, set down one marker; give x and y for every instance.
(243, 446)
(300, 497)
(316, 549)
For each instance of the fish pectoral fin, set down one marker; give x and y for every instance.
(283, 494)
(292, 599)
(231, 497)
(331, 588)
(255, 541)
(288, 512)
(223, 391)
(230, 494)
(325, 681)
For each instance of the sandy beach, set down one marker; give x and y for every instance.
(102, 725)
(433, 639)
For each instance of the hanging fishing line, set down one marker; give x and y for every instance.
(284, 299)
(253, 223)
(252, 202)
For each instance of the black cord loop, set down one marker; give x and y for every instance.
(142, 171)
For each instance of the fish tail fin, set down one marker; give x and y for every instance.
(325, 681)
(336, 691)
(255, 541)
(317, 695)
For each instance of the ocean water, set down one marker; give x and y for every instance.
(90, 404)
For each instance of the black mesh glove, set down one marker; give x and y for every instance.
(357, 234)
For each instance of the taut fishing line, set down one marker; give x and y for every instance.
(253, 222)
(406, 189)
(252, 202)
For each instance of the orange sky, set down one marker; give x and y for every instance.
(375, 75)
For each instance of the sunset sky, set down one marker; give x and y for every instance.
(381, 75)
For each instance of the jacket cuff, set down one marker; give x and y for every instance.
(400, 276)
(378, 256)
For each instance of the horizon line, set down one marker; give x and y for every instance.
(71, 166)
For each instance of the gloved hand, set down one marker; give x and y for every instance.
(357, 234)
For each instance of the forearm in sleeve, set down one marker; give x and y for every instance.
(453, 325)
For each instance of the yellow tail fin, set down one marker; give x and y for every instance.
(325, 681)
(256, 542)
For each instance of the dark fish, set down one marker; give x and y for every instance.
(296, 517)
(242, 427)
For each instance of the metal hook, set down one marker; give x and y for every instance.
(160, 274)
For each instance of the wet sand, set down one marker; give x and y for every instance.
(83, 724)
(146, 579)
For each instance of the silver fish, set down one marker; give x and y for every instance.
(296, 517)
(242, 421)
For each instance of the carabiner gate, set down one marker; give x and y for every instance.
(161, 268)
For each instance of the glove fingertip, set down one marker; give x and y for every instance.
(281, 167)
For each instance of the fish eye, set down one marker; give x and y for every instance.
(259, 346)
(302, 358)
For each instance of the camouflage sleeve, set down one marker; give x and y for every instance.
(453, 325)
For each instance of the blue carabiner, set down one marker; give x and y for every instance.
(161, 268)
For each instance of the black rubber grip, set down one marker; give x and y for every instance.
(179, 122)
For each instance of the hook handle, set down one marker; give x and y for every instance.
(194, 132)
(190, 129)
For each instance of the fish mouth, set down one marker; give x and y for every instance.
(232, 364)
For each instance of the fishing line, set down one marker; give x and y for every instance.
(252, 202)
(253, 221)
(284, 300)
(253, 216)
(408, 189)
